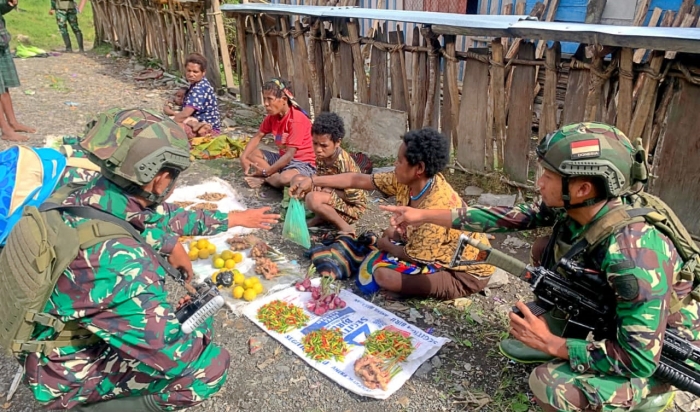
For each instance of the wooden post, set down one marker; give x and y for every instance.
(287, 55)
(452, 95)
(596, 79)
(377, 72)
(301, 61)
(357, 61)
(346, 82)
(316, 79)
(244, 82)
(398, 75)
(644, 102)
(223, 44)
(548, 117)
(520, 117)
(473, 119)
(594, 11)
(328, 71)
(624, 100)
(213, 73)
(653, 21)
(499, 100)
(432, 62)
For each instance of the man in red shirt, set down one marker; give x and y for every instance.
(291, 127)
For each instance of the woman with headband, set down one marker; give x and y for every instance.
(291, 127)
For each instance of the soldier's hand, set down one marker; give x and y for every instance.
(404, 216)
(12, 3)
(534, 332)
(180, 260)
(182, 301)
(254, 218)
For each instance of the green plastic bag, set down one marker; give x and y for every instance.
(295, 228)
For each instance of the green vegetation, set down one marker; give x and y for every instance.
(31, 18)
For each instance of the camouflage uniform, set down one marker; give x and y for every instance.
(610, 373)
(70, 16)
(115, 290)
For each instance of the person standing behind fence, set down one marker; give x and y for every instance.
(67, 12)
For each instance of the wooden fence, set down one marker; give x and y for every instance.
(508, 98)
(166, 30)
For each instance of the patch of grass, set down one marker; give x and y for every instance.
(32, 19)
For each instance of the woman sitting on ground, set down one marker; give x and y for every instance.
(414, 261)
(200, 99)
(342, 208)
(291, 127)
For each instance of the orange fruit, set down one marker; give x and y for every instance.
(238, 292)
(229, 263)
(238, 257)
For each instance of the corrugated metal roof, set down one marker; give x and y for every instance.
(427, 17)
(663, 38)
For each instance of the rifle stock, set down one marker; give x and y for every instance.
(588, 308)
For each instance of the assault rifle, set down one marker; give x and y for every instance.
(589, 304)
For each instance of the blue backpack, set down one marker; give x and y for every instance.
(28, 176)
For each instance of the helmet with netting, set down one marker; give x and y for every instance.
(132, 145)
(590, 149)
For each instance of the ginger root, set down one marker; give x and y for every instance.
(266, 267)
(259, 250)
(238, 243)
(369, 369)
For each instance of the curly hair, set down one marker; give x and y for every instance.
(197, 58)
(429, 146)
(276, 86)
(331, 124)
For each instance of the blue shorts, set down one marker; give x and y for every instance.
(303, 168)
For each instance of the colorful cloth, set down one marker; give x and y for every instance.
(214, 147)
(428, 243)
(638, 258)
(342, 256)
(202, 98)
(354, 203)
(115, 289)
(292, 130)
(381, 259)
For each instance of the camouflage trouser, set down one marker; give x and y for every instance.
(562, 389)
(120, 377)
(70, 17)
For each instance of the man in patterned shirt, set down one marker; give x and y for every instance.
(587, 168)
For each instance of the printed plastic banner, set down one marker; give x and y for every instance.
(356, 321)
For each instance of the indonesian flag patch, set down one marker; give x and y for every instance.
(585, 149)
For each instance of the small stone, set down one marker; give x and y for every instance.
(229, 122)
(498, 278)
(404, 401)
(436, 362)
(473, 191)
(424, 370)
(468, 367)
(514, 242)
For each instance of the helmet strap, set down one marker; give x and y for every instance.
(136, 190)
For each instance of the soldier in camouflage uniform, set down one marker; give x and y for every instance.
(138, 358)
(587, 167)
(67, 12)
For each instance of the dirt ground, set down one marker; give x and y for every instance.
(60, 94)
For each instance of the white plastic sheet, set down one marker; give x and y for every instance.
(356, 321)
(204, 269)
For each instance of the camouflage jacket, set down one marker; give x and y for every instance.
(115, 289)
(641, 321)
(4, 9)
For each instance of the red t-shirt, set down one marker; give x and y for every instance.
(292, 130)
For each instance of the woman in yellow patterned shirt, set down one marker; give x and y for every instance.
(342, 208)
(414, 261)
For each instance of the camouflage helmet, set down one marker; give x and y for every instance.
(132, 145)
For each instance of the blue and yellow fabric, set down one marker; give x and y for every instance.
(28, 176)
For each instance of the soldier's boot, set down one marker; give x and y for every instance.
(519, 352)
(131, 404)
(79, 38)
(655, 403)
(66, 40)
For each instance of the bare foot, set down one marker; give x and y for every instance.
(254, 182)
(314, 222)
(12, 136)
(19, 127)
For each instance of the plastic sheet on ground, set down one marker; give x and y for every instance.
(203, 268)
(356, 321)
